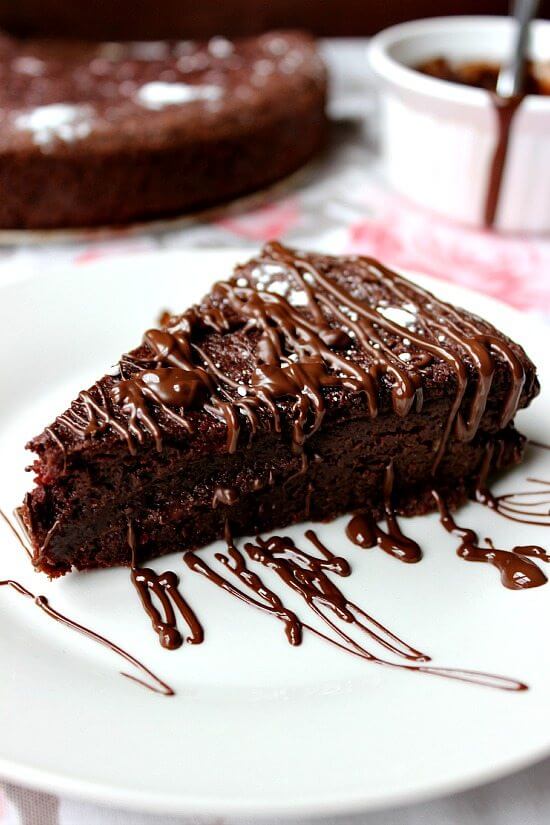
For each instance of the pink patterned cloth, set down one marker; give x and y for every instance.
(372, 222)
(9, 814)
(340, 205)
(515, 270)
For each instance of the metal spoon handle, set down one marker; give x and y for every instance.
(510, 77)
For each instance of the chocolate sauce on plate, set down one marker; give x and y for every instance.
(517, 571)
(22, 543)
(363, 530)
(307, 575)
(526, 506)
(154, 683)
(164, 587)
(303, 573)
(263, 599)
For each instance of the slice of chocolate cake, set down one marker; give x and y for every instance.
(285, 395)
(117, 132)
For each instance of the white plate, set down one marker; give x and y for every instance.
(256, 727)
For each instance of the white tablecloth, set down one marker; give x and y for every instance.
(338, 204)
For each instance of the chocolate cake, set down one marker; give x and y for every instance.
(285, 395)
(110, 133)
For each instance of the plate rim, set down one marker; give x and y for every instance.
(110, 796)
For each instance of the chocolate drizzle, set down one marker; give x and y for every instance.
(517, 571)
(363, 530)
(228, 496)
(263, 599)
(309, 336)
(526, 507)
(154, 683)
(26, 547)
(307, 575)
(485, 76)
(165, 588)
(303, 573)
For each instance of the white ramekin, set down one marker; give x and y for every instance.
(438, 138)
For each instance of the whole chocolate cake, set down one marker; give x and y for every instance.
(111, 133)
(285, 395)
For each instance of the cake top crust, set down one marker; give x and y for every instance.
(291, 340)
(57, 96)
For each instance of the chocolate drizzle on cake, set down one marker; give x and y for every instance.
(227, 496)
(311, 336)
(364, 531)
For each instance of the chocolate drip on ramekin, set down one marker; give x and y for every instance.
(505, 110)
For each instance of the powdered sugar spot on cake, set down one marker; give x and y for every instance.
(264, 67)
(220, 47)
(28, 65)
(149, 50)
(61, 121)
(298, 298)
(193, 62)
(100, 66)
(277, 45)
(183, 48)
(398, 315)
(265, 272)
(278, 287)
(291, 61)
(157, 95)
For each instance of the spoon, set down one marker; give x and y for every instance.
(511, 75)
